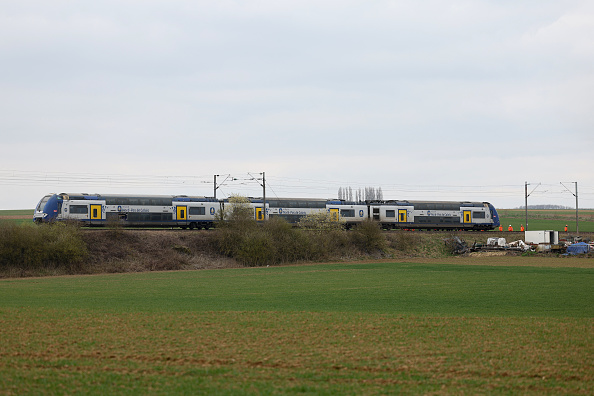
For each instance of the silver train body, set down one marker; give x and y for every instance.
(201, 212)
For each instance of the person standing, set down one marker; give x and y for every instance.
(522, 227)
(510, 228)
(565, 227)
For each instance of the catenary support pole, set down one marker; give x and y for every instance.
(264, 194)
(526, 203)
(215, 186)
(577, 224)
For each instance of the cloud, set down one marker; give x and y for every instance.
(350, 91)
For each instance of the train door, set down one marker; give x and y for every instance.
(96, 212)
(402, 218)
(376, 213)
(182, 212)
(259, 214)
(467, 216)
(334, 214)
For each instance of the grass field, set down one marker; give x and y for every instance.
(547, 219)
(17, 216)
(374, 328)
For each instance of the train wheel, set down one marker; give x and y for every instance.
(192, 226)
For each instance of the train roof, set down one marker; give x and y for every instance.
(406, 201)
(103, 196)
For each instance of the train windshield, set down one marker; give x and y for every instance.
(42, 203)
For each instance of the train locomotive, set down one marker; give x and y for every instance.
(201, 212)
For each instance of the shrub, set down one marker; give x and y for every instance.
(320, 221)
(44, 246)
(369, 238)
(256, 250)
(404, 241)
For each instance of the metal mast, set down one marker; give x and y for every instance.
(577, 224)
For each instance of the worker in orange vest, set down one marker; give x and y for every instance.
(522, 227)
(565, 227)
(500, 227)
(510, 228)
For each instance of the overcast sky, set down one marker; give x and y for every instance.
(453, 100)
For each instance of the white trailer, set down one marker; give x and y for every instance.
(543, 239)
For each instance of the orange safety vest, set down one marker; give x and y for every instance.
(510, 228)
(521, 228)
(500, 228)
(565, 228)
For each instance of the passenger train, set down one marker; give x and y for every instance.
(201, 212)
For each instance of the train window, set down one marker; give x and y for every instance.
(165, 201)
(197, 211)
(317, 204)
(116, 200)
(42, 203)
(478, 215)
(154, 217)
(79, 209)
(390, 213)
(347, 212)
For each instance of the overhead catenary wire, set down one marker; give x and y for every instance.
(280, 186)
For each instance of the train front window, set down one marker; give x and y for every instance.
(43, 202)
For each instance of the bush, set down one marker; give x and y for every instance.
(369, 238)
(256, 250)
(275, 241)
(320, 221)
(46, 246)
(404, 241)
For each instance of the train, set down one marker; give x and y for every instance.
(196, 212)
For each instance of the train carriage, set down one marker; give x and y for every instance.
(438, 215)
(128, 210)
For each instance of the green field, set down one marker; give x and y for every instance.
(376, 328)
(21, 216)
(547, 219)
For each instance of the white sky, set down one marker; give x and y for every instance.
(453, 100)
